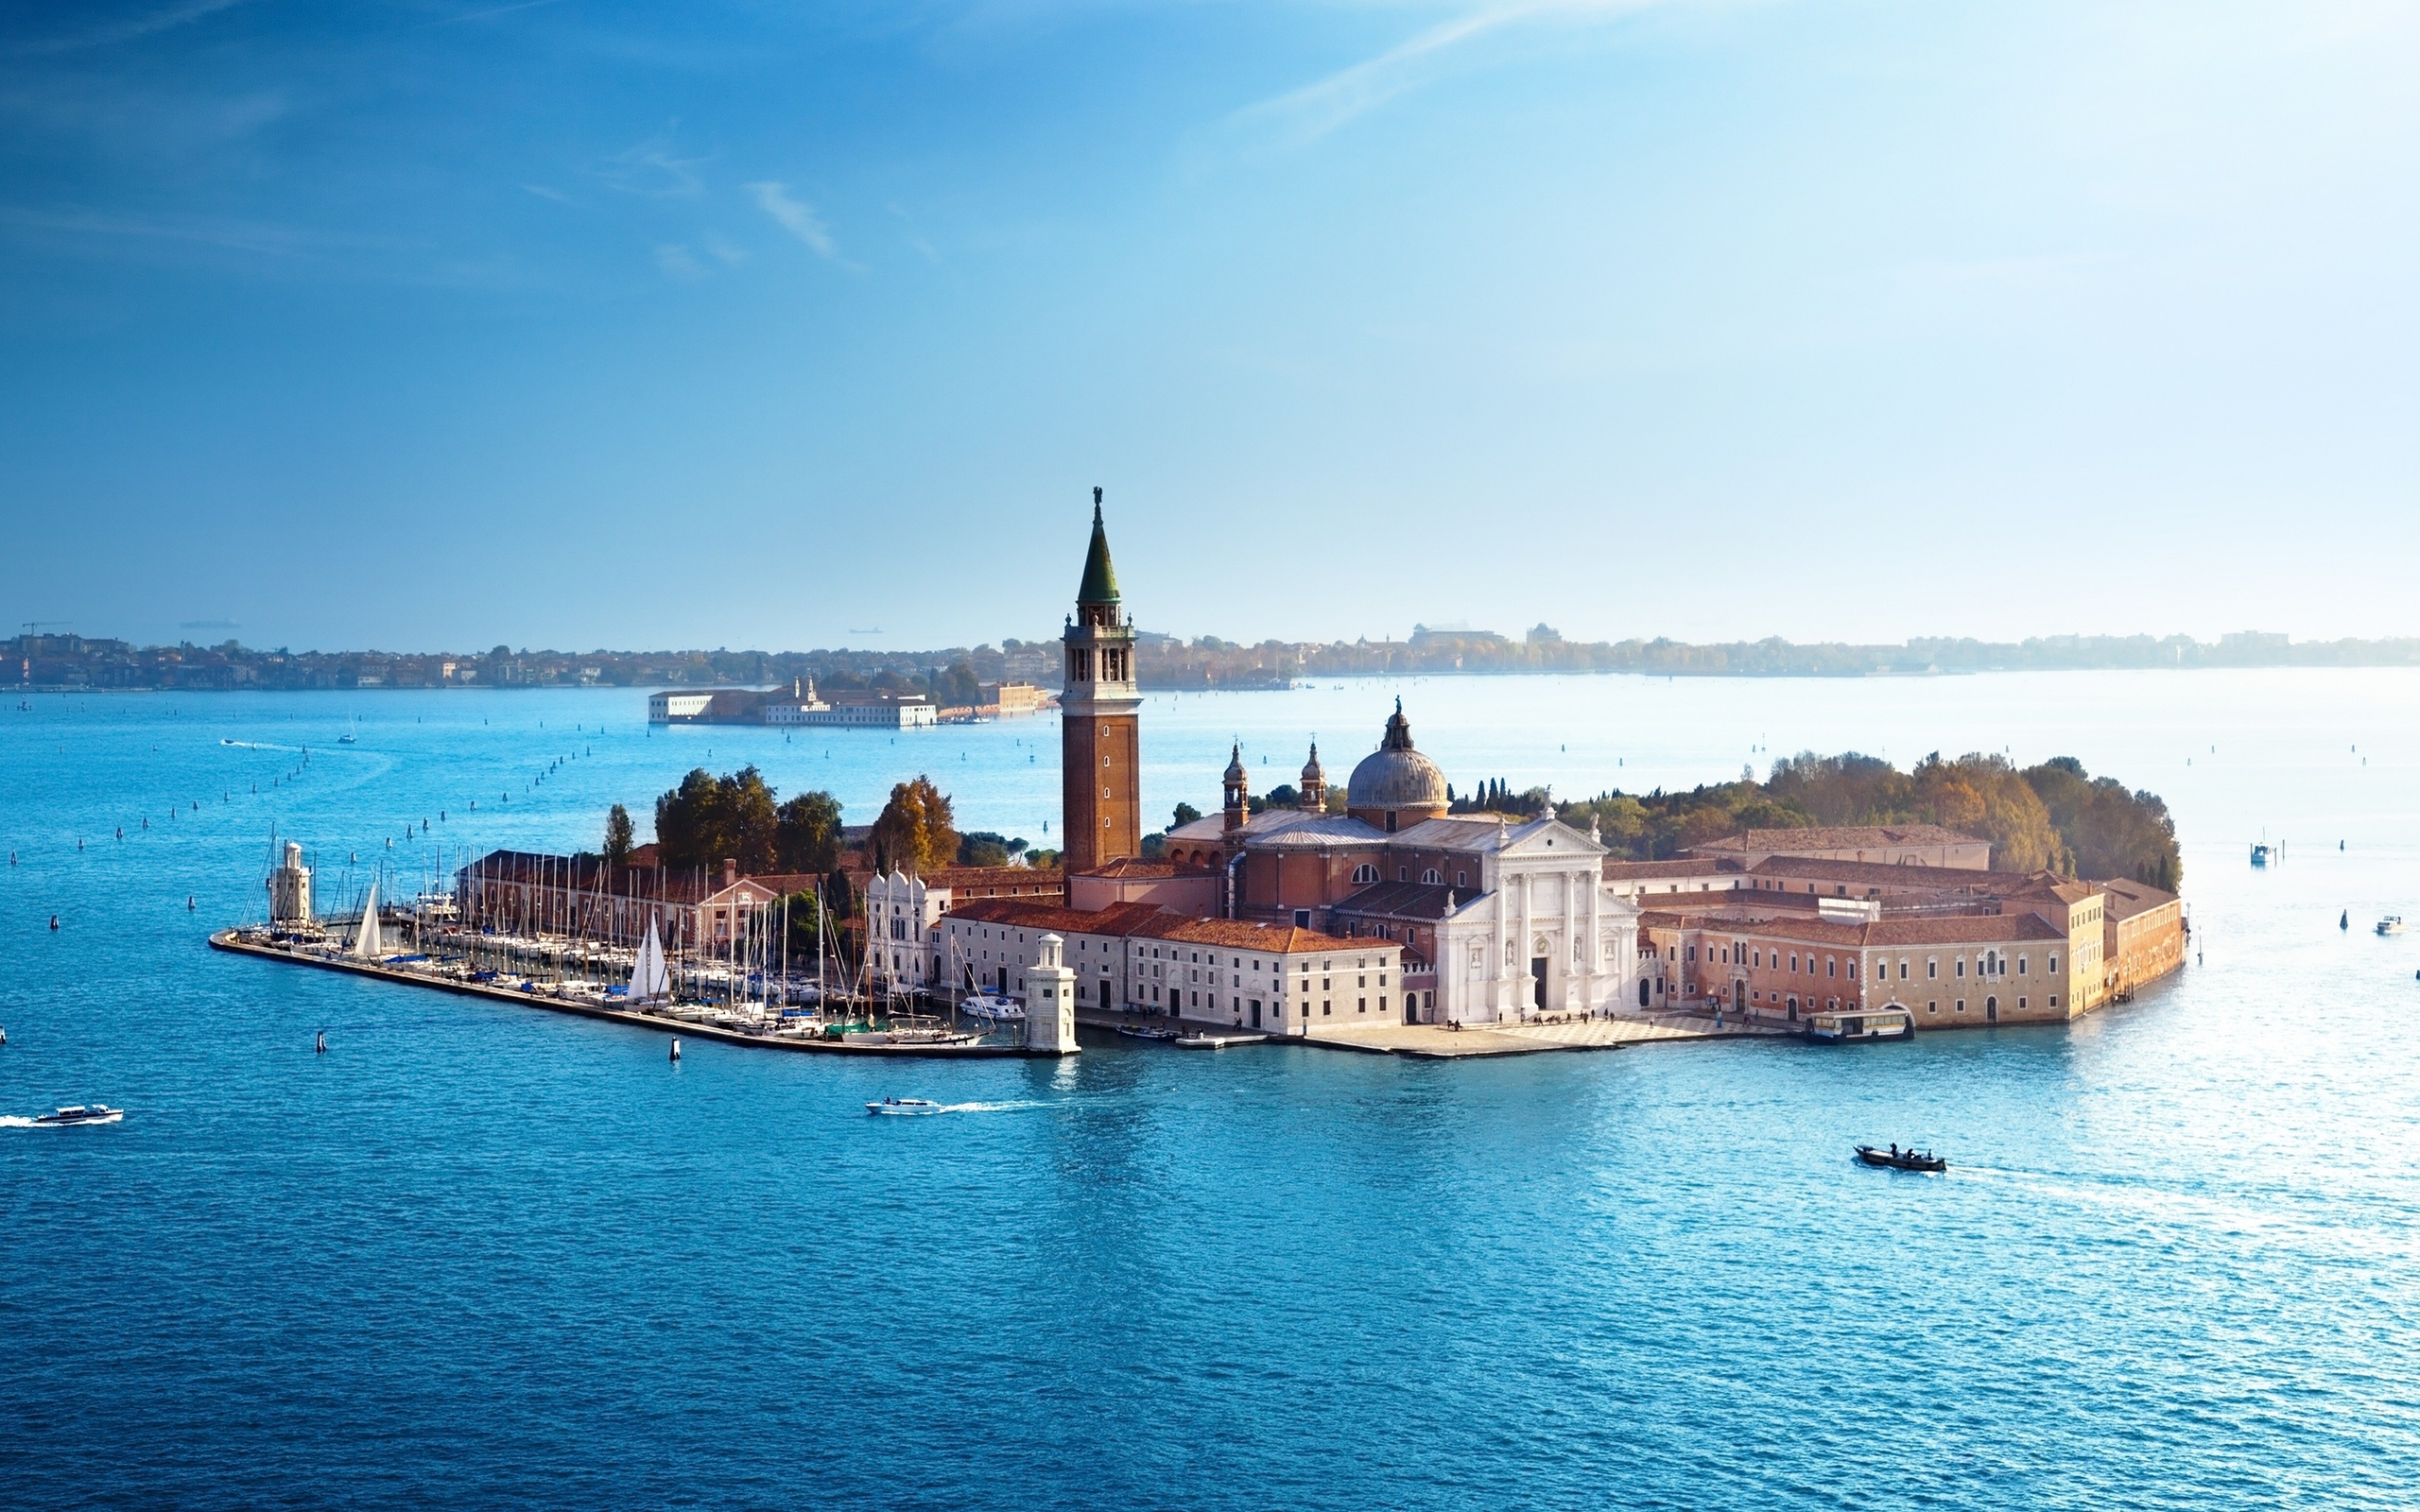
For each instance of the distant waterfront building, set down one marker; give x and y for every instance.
(851, 711)
(1010, 700)
(724, 706)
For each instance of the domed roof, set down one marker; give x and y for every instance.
(1236, 763)
(1395, 776)
(1311, 771)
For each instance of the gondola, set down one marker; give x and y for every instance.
(1896, 1160)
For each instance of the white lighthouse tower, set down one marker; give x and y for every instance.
(1050, 1001)
(289, 889)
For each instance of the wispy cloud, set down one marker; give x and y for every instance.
(678, 264)
(654, 169)
(235, 235)
(1318, 108)
(725, 252)
(490, 12)
(794, 215)
(129, 29)
(544, 193)
(915, 235)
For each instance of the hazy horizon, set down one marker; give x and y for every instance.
(419, 324)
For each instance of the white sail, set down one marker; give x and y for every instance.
(648, 978)
(366, 943)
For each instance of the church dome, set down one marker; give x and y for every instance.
(1312, 772)
(1395, 776)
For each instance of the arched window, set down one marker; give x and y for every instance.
(1431, 877)
(1365, 872)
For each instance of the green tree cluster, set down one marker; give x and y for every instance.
(709, 820)
(2107, 830)
(986, 848)
(618, 835)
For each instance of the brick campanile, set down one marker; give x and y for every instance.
(1100, 770)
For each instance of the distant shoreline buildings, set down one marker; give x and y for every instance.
(68, 662)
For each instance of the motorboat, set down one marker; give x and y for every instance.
(1896, 1159)
(989, 1009)
(97, 1113)
(1144, 1031)
(903, 1107)
(2391, 924)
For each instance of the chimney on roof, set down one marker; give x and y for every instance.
(729, 872)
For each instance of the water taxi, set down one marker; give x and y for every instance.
(2391, 924)
(1849, 1026)
(903, 1107)
(97, 1113)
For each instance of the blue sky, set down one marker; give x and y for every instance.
(568, 323)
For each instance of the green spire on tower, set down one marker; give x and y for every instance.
(1100, 579)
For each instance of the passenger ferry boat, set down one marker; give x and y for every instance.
(1852, 1025)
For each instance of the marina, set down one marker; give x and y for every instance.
(775, 1031)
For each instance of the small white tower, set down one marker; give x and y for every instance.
(289, 889)
(1050, 1001)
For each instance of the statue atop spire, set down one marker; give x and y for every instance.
(1100, 580)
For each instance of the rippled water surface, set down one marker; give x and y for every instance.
(480, 1255)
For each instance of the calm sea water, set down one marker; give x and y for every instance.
(478, 1255)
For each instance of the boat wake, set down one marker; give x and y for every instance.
(2230, 1218)
(990, 1107)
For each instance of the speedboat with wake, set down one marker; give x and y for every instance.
(97, 1113)
(903, 1107)
(1896, 1159)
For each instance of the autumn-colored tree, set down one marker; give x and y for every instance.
(916, 832)
(1984, 796)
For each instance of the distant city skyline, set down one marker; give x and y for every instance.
(575, 325)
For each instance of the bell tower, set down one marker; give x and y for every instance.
(1100, 770)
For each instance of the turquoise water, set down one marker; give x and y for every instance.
(479, 1255)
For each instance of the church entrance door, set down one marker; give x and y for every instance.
(1538, 982)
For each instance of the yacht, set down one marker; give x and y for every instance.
(903, 1107)
(97, 1113)
(994, 1009)
(2391, 924)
